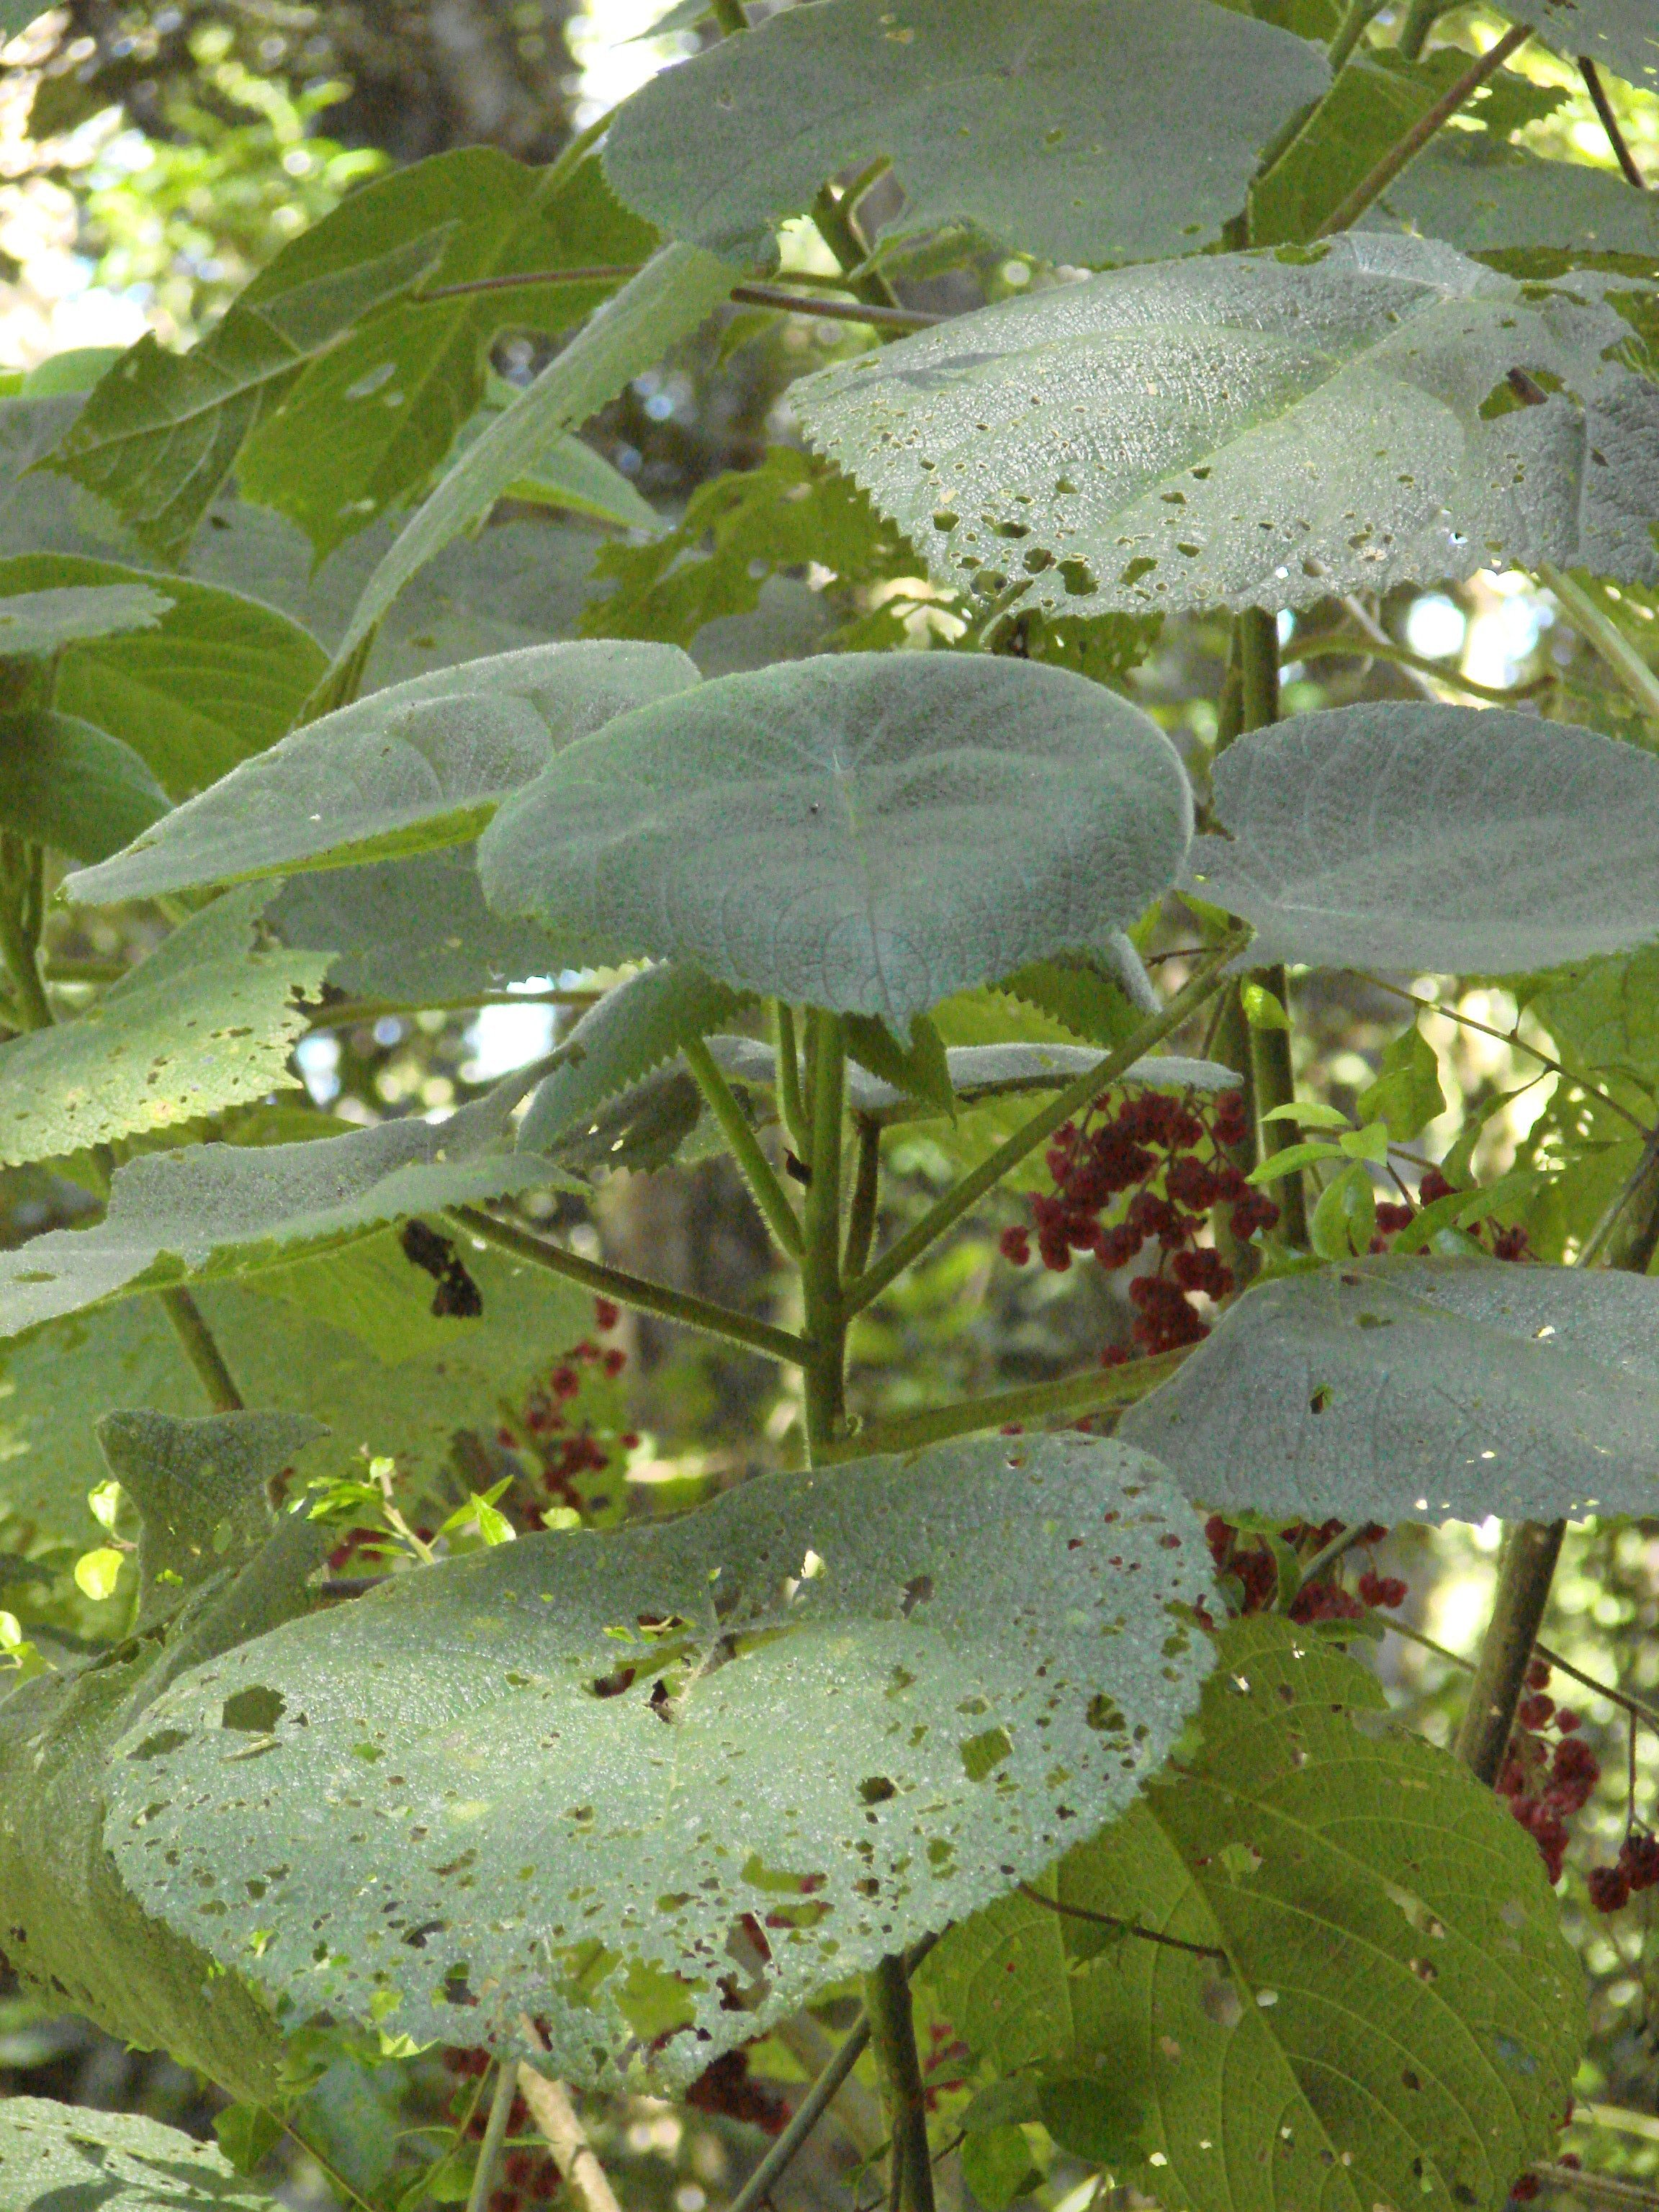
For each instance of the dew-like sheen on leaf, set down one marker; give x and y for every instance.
(1397, 2018)
(867, 833)
(423, 764)
(1082, 130)
(65, 2154)
(1420, 1389)
(1433, 838)
(595, 1768)
(1255, 430)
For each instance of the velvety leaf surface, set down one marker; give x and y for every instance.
(43, 622)
(217, 677)
(1083, 130)
(1619, 34)
(1357, 429)
(365, 425)
(348, 1337)
(64, 784)
(53, 2154)
(1492, 198)
(424, 763)
(207, 1021)
(1420, 1389)
(606, 1731)
(632, 1030)
(867, 833)
(159, 434)
(676, 291)
(228, 1208)
(1439, 838)
(1397, 2017)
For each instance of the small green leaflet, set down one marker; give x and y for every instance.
(423, 764)
(207, 1021)
(1406, 1095)
(64, 784)
(160, 433)
(1429, 838)
(867, 833)
(567, 473)
(1359, 431)
(1396, 2017)
(1420, 1389)
(53, 2153)
(1082, 130)
(636, 1700)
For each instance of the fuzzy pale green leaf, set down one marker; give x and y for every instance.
(1082, 130)
(632, 1030)
(65, 784)
(607, 1730)
(1420, 1389)
(1489, 198)
(43, 622)
(1444, 839)
(53, 2154)
(1397, 2017)
(867, 833)
(423, 764)
(1255, 430)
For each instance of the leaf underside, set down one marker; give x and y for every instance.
(53, 2154)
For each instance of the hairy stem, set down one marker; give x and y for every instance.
(821, 1283)
(555, 2118)
(866, 1192)
(1609, 121)
(806, 2115)
(1092, 1392)
(495, 2139)
(1597, 627)
(20, 928)
(201, 1349)
(1406, 150)
(768, 1193)
(791, 1105)
(892, 2033)
(1200, 986)
(630, 1290)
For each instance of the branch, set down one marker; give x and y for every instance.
(1092, 1392)
(1129, 1927)
(555, 2116)
(1598, 629)
(1603, 105)
(768, 1192)
(1525, 1572)
(495, 2136)
(1204, 981)
(1406, 149)
(201, 1349)
(631, 1290)
(806, 2115)
(866, 1195)
(1372, 649)
(892, 2031)
(879, 313)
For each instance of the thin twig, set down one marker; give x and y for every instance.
(1374, 630)
(1603, 106)
(879, 318)
(1598, 629)
(1095, 1391)
(774, 295)
(201, 1349)
(1526, 1568)
(1605, 2186)
(1622, 1698)
(1128, 1927)
(806, 2115)
(1370, 649)
(340, 1014)
(555, 2116)
(1405, 150)
(495, 2136)
(1340, 1546)
(744, 1144)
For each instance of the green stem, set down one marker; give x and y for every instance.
(1598, 629)
(1526, 1568)
(1352, 30)
(631, 1290)
(866, 1192)
(768, 1193)
(878, 313)
(791, 1105)
(1421, 19)
(201, 1349)
(893, 2037)
(20, 928)
(1370, 649)
(494, 2138)
(810, 2110)
(834, 218)
(729, 15)
(1073, 1099)
(821, 1285)
(1093, 1392)
(1406, 150)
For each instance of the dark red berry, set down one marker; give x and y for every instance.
(605, 1314)
(1537, 1675)
(1536, 1711)
(1638, 1861)
(1609, 1888)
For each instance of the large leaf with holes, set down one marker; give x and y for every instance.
(53, 2154)
(632, 1030)
(1083, 130)
(867, 833)
(1620, 34)
(1490, 198)
(349, 1336)
(208, 1021)
(423, 764)
(225, 1209)
(1356, 428)
(65, 784)
(158, 436)
(991, 1638)
(1429, 837)
(73, 1929)
(214, 677)
(1420, 1389)
(676, 291)
(367, 422)
(1396, 2017)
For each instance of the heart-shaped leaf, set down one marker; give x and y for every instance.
(423, 764)
(1619, 34)
(53, 2153)
(867, 833)
(608, 1806)
(1395, 2016)
(1358, 428)
(1079, 130)
(1420, 1389)
(1428, 837)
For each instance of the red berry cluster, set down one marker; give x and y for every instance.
(1506, 1244)
(528, 2175)
(1546, 1781)
(1108, 1158)
(564, 1446)
(1249, 1573)
(728, 2087)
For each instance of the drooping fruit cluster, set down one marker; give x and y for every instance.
(1248, 1572)
(1501, 1244)
(528, 2174)
(1549, 1773)
(565, 1443)
(1147, 1175)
